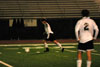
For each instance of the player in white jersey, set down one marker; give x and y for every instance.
(84, 31)
(49, 36)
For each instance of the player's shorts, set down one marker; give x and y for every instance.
(51, 37)
(86, 46)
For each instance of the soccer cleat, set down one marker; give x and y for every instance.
(47, 50)
(62, 50)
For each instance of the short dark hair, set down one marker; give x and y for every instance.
(85, 13)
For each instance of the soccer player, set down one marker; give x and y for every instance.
(85, 35)
(49, 36)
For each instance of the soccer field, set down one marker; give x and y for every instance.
(14, 55)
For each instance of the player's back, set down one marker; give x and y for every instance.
(86, 28)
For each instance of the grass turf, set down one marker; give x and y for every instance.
(17, 57)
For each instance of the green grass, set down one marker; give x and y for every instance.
(54, 58)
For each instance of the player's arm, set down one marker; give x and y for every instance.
(77, 27)
(48, 34)
(96, 30)
(46, 26)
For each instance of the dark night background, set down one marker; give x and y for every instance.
(63, 29)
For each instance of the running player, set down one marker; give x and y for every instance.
(84, 31)
(49, 36)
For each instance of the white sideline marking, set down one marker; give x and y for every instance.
(38, 44)
(37, 51)
(76, 51)
(6, 45)
(12, 48)
(49, 47)
(5, 64)
(70, 50)
(33, 47)
(66, 47)
(96, 54)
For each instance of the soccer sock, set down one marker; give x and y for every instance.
(59, 45)
(79, 63)
(88, 63)
(46, 45)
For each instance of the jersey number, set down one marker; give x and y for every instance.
(86, 26)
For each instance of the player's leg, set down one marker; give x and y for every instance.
(52, 38)
(56, 42)
(45, 43)
(89, 58)
(90, 47)
(81, 47)
(79, 59)
(46, 46)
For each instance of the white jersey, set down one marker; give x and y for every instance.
(48, 29)
(84, 30)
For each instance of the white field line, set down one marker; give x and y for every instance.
(12, 48)
(50, 44)
(39, 47)
(5, 64)
(70, 50)
(33, 47)
(76, 51)
(49, 47)
(39, 44)
(96, 54)
(91, 53)
(5, 45)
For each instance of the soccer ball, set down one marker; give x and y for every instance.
(27, 49)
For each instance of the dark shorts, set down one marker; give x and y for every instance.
(86, 46)
(51, 38)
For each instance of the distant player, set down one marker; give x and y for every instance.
(49, 36)
(84, 31)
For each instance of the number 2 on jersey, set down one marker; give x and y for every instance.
(86, 26)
